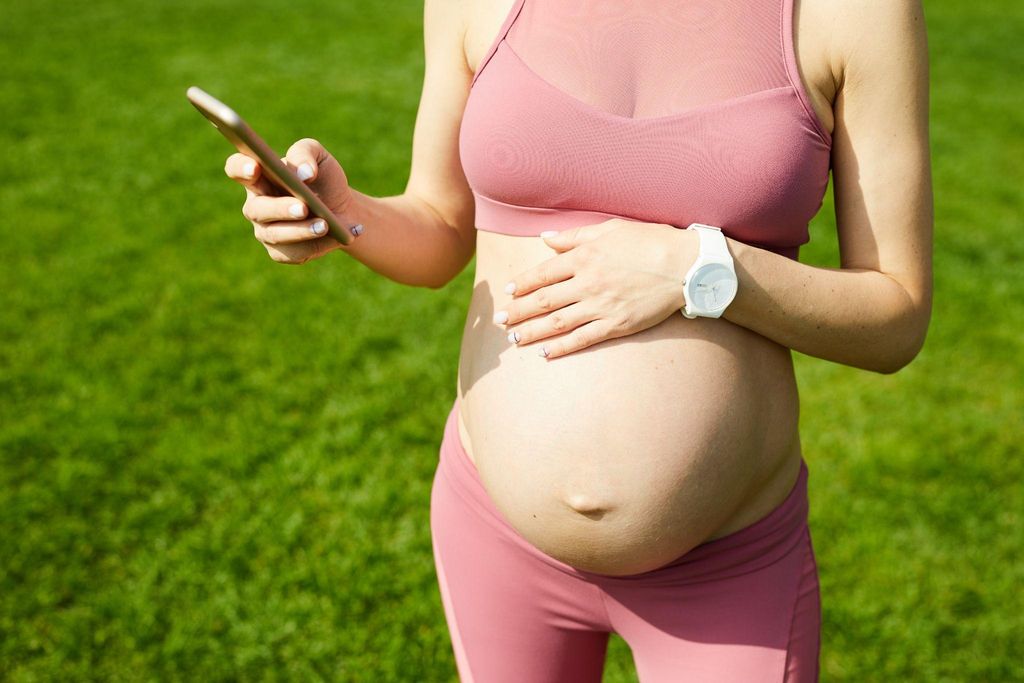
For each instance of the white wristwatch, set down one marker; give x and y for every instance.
(710, 283)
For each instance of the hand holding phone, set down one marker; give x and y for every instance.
(288, 199)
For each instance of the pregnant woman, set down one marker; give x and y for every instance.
(622, 451)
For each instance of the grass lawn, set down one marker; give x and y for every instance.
(214, 467)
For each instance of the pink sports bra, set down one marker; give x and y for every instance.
(662, 111)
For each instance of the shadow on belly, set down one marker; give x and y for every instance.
(610, 546)
(647, 531)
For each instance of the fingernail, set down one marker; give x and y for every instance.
(543, 351)
(549, 233)
(357, 229)
(249, 169)
(501, 317)
(513, 337)
(305, 172)
(510, 288)
(319, 228)
(295, 210)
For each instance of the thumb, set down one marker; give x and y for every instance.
(305, 156)
(563, 240)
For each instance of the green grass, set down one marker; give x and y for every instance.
(213, 467)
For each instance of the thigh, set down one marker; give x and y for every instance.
(758, 626)
(511, 617)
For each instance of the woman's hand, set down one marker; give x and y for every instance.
(283, 223)
(608, 280)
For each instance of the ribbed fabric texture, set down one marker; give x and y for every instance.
(657, 110)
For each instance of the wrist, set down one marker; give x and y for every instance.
(681, 253)
(710, 282)
(345, 204)
(740, 252)
(352, 209)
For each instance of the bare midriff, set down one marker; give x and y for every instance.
(620, 457)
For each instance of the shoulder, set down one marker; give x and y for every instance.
(870, 36)
(483, 19)
(474, 22)
(445, 25)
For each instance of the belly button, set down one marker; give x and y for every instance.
(586, 506)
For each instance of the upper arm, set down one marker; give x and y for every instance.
(881, 158)
(436, 176)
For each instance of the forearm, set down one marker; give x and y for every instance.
(405, 240)
(858, 317)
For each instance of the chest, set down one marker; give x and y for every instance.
(810, 46)
(659, 111)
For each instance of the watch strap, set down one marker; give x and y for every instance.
(712, 242)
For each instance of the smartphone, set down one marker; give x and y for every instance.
(246, 141)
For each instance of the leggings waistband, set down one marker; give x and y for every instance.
(746, 550)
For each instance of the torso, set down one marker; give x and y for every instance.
(619, 458)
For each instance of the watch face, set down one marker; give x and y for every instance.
(712, 287)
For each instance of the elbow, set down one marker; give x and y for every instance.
(436, 284)
(423, 280)
(443, 277)
(899, 359)
(908, 344)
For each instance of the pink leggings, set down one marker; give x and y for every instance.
(744, 607)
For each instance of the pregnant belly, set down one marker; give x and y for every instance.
(621, 457)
